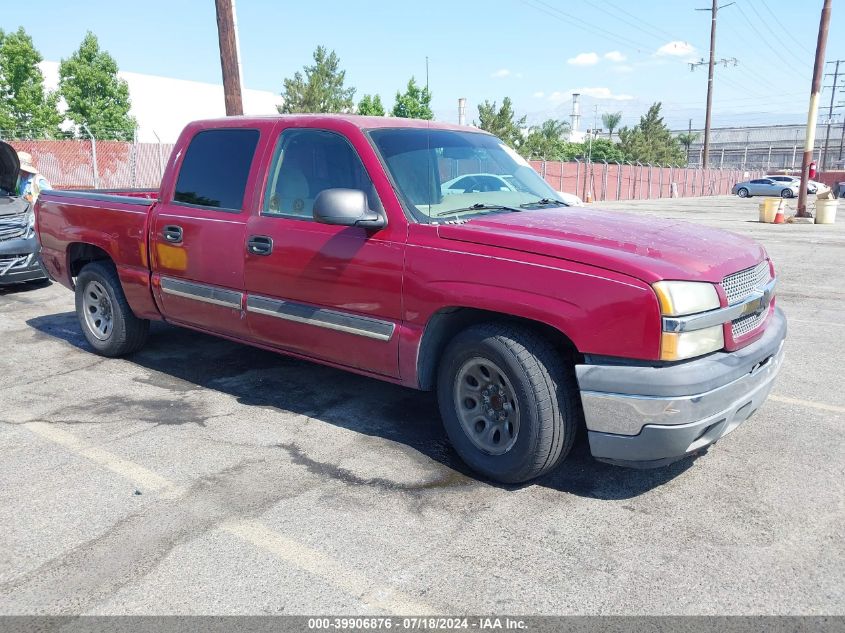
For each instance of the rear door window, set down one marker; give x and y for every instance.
(215, 169)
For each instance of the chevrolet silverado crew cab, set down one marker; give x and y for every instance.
(333, 239)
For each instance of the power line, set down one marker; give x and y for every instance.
(785, 30)
(568, 18)
(765, 41)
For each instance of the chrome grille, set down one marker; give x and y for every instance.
(744, 325)
(13, 226)
(10, 262)
(741, 285)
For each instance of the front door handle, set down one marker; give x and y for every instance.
(172, 233)
(259, 245)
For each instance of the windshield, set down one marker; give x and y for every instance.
(442, 174)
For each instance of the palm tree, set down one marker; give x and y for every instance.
(553, 130)
(611, 120)
(687, 139)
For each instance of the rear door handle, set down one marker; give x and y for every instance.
(259, 245)
(172, 233)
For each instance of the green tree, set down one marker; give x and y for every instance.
(602, 149)
(687, 139)
(322, 88)
(415, 103)
(547, 141)
(370, 106)
(501, 122)
(650, 141)
(96, 97)
(611, 120)
(25, 107)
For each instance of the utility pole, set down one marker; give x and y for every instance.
(228, 38)
(812, 114)
(689, 138)
(426, 73)
(714, 10)
(824, 162)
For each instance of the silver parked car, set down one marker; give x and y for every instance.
(766, 187)
(812, 185)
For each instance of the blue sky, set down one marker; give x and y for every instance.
(622, 55)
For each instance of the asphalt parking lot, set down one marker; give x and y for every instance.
(204, 477)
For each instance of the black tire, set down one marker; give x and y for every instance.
(742, 192)
(544, 391)
(126, 333)
(786, 193)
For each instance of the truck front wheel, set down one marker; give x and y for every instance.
(107, 321)
(508, 402)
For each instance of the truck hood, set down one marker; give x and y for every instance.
(648, 248)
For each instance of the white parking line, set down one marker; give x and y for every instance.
(319, 564)
(822, 323)
(283, 547)
(821, 406)
(140, 476)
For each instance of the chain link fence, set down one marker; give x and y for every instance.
(605, 181)
(89, 164)
(93, 164)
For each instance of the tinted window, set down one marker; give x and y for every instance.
(215, 169)
(307, 162)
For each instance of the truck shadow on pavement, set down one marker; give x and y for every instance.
(182, 360)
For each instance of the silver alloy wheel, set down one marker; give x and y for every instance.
(98, 310)
(742, 193)
(486, 406)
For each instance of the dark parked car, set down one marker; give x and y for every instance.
(19, 259)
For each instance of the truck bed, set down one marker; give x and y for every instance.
(110, 222)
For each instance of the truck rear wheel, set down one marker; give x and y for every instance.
(508, 402)
(106, 319)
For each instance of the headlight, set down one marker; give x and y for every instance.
(681, 345)
(679, 298)
(683, 298)
(30, 222)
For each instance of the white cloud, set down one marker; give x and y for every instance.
(600, 93)
(584, 59)
(615, 56)
(501, 73)
(676, 48)
(539, 94)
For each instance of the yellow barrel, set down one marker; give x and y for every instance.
(769, 209)
(826, 211)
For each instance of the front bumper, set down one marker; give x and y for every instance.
(19, 261)
(648, 416)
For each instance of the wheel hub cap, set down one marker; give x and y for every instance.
(97, 308)
(486, 405)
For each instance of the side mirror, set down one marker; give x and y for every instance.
(346, 207)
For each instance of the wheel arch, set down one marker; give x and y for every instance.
(447, 322)
(81, 253)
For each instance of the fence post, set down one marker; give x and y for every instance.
(577, 174)
(160, 160)
(133, 159)
(638, 182)
(93, 157)
(648, 197)
(560, 166)
(619, 180)
(660, 181)
(604, 181)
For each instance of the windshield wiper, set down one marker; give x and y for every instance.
(478, 206)
(542, 202)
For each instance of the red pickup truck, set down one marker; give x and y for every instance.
(433, 256)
